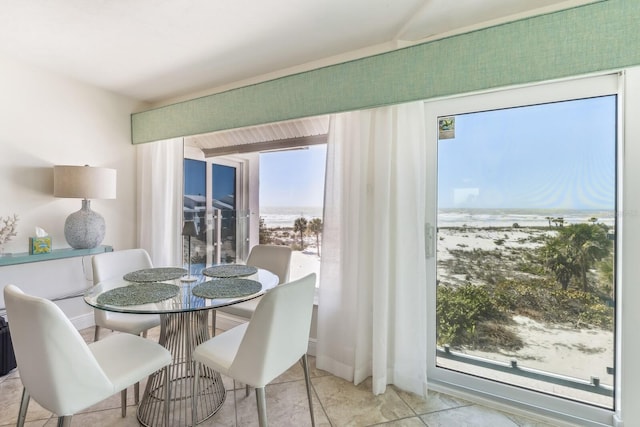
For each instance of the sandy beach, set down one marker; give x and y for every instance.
(561, 349)
(303, 263)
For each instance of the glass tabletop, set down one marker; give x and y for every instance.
(175, 296)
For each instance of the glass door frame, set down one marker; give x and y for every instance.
(450, 381)
(213, 256)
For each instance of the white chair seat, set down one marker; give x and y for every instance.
(135, 324)
(243, 309)
(219, 354)
(124, 368)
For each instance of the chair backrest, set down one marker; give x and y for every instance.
(118, 263)
(56, 365)
(277, 335)
(276, 259)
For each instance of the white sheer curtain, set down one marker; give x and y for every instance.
(160, 201)
(372, 298)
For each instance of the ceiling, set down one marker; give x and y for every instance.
(161, 50)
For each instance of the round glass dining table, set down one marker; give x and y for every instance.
(184, 308)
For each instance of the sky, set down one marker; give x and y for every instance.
(550, 156)
(293, 177)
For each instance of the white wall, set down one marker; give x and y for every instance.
(45, 120)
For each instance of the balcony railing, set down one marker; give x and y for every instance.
(593, 386)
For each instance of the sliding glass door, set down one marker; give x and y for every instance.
(211, 201)
(224, 212)
(524, 293)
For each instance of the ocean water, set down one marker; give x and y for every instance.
(285, 216)
(523, 217)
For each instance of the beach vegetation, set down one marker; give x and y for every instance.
(468, 316)
(574, 251)
(561, 275)
(265, 235)
(315, 228)
(300, 226)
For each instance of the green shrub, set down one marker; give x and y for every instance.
(458, 312)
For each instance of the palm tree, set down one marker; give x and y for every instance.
(300, 226)
(315, 227)
(589, 244)
(264, 233)
(557, 259)
(575, 250)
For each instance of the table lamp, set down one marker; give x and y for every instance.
(84, 229)
(189, 230)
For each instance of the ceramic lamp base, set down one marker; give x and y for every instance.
(84, 229)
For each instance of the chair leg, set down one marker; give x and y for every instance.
(261, 400)
(194, 399)
(123, 402)
(96, 333)
(167, 397)
(24, 405)
(307, 380)
(136, 393)
(64, 421)
(235, 401)
(246, 390)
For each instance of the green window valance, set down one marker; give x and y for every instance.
(582, 40)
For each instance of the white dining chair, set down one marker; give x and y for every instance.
(273, 340)
(115, 264)
(276, 259)
(110, 265)
(62, 372)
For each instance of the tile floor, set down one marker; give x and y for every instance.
(336, 403)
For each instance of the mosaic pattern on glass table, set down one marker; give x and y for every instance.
(230, 270)
(226, 288)
(157, 274)
(138, 293)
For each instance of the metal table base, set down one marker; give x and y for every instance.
(180, 333)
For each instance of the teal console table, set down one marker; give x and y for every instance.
(25, 257)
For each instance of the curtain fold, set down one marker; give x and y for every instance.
(372, 297)
(159, 202)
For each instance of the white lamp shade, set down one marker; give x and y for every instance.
(84, 182)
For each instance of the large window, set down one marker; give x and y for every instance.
(525, 259)
(291, 204)
(282, 189)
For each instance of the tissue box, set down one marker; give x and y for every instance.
(39, 245)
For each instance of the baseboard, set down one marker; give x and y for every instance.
(84, 321)
(226, 321)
